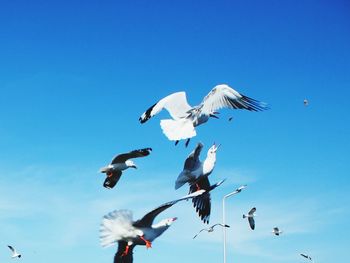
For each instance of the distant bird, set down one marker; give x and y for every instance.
(185, 117)
(194, 168)
(210, 229)
(118, 227)
(276, 231)
(202, 203)
(250, 217)
(306, 256)
(15, 254)
(306, 102)
(119, 163)
(239, 189)
(230, 119)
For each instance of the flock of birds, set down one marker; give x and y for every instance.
(118, 227)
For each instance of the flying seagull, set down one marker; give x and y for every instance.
(250, 217)
(15, 254)
(306, 256)
(119, 163)
(118, 227)
(194, 168)
(306, 102)
(210, 229)
(185, 117)
(276, 231)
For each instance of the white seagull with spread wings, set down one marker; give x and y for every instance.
(118, 227)
(119, 163)
(210, 229)
(15, 254)
(185, 117)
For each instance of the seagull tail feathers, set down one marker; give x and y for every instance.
(114, 226)
(176, 130)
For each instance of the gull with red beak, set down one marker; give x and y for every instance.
(118, 227)
(120, 163)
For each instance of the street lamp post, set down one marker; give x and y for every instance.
(238, 190)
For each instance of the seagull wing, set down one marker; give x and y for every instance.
(119, 258)
(148, 219)
(223, 96)
(305, 256)
(251, 222)
(275, 229)
(176, 104)
(112, 180)
(220, 225)
(204, 229)
(192, 162)
(202, 203)
(12, 249)
(252, 211)
(121, 158)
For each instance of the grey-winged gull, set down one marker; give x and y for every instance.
(120, 163)
(210, 229)
(185, 117)
(251, 214)
(119, 227)
(276, 231)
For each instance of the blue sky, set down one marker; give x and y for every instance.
(76, 75)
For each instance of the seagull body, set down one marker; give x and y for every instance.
(194, 169)
(15, 254)
(306, 256)
(185, 117)
(251, 214)
(276, 231)
(118, 227)
(120, 163)
(210, 229)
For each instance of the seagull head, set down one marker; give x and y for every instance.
(167, 222)
(214, 148)
(130, 164)
(106, 169)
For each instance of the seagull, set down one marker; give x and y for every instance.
(210, 229)
(276, 231)
(239, 189)
(306, 256)
(250, 217)
(194, 168)
(119, 163)
(202, 203)
(15, 254)
(118, 227)
(185, 117)
(306, 102)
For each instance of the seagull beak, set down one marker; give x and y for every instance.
(174, 219)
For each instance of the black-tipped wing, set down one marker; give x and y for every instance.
(112, 180)
(220, 225)
(119, 257)
(121, 158)
(192, 162)
(204, 229)
(252, 211)
(176, 104)
(251, 222)
(147, 220)
(202, 203)
(223, 96)
(11, 248)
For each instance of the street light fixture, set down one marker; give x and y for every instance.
(238, 190)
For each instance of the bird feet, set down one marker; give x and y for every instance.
(126, 251)
(148, 243)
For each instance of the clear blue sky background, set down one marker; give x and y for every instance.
(76, 75)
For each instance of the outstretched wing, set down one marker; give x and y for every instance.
(112, 180)
(119, 256)
(251, 222)
(223, 96)
(148, 219)
(252, 211)
(202, 203)
(11, 248)
(192, 162)
(204, 229)
(220, 225)
(121, 158)
(176, 104)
